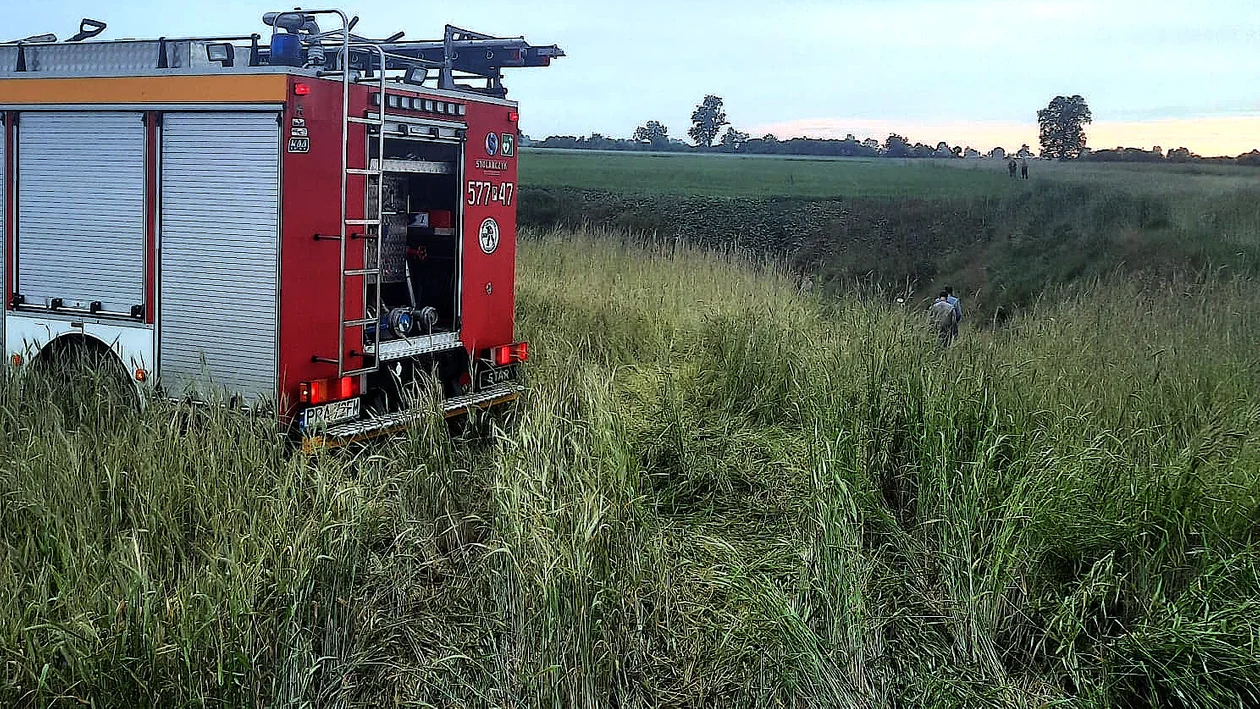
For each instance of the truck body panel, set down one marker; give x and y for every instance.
(230, 220)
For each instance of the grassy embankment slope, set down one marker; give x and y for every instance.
(912, 226)
(717, 492)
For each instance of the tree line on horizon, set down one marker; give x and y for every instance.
(1061, 123)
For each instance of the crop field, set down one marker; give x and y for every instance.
(719, 491)
(911, 227)
(722, 175)
(750, 176)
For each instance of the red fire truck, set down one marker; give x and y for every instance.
(319, 222)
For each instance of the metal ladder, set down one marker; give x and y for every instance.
(369, 316)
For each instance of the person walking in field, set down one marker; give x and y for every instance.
(941, 319)
(953, 300)
(1010, 168)
(1023, 169)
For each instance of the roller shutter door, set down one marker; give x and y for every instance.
(219, 236)
(4, 207)
(81, 209)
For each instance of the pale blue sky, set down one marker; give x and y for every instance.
(967, 71)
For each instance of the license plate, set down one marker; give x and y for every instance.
(495, 376)
(329, 414)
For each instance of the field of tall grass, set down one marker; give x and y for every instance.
(917, 225)
(720, 175)
(805, 177)
(718, 491)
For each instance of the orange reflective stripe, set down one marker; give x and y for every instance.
(269, 88)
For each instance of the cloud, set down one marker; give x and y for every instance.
(1231, 135)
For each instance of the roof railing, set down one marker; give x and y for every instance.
(460, 56)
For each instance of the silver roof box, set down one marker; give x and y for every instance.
(117, 58)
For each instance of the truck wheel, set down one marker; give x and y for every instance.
(84, 378)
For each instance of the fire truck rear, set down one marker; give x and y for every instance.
(318, 222)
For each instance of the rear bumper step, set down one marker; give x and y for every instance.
(390, 350)
(352, 431)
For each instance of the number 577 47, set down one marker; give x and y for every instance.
(482, 193)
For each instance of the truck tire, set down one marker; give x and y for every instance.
(84, 378)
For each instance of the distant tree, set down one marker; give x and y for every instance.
(871, 144)
(707, 120)
(1125, 155)
(971, 153)
(922, 150)
(943, 151)
(561, 141)
(598, 141)
(998, 153)
(770, 138)
(1181, 155)
(1063, 127)
(849, 147)
(1251, 159)
(653, 132)
(896, 146)
(733, 139)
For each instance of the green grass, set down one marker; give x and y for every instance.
(720, 175)
(751, 176)
(1179, 179)
(915, 226)
(718, 491)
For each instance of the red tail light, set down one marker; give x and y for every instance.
(301, 89)
(322, 391)
(349, 387)
(507, 354)
(514, 116)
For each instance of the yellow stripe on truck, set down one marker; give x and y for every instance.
(145, 90)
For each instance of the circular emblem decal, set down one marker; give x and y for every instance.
(488, 236)
(492, 144)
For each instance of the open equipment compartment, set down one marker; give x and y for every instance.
(420, 273)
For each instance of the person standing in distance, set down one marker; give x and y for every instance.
(942, 319)
(953, 300)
